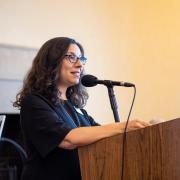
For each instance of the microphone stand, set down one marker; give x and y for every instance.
(113, 101)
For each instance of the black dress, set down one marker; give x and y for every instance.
(44, 126)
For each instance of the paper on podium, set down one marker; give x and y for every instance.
(156, 121)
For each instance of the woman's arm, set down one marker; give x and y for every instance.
(86, 135)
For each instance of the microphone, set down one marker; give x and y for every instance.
(90, 81)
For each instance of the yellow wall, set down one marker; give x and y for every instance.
(155, 57)
(133, 40)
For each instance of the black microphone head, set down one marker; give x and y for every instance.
(89, 80)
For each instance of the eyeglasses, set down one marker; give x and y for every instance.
(73, 58)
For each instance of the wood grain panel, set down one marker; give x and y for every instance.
(151, 153)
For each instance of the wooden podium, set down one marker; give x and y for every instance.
(152, 153)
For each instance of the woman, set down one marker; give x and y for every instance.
(53, 121)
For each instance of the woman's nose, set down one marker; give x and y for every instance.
(79, 63)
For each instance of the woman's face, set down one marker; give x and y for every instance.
(70, 71)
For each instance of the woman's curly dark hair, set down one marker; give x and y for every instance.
(43, 77)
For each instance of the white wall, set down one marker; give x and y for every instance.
(133, 40)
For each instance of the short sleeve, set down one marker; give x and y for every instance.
(41, 124)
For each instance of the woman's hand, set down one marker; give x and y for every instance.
(135, 124)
